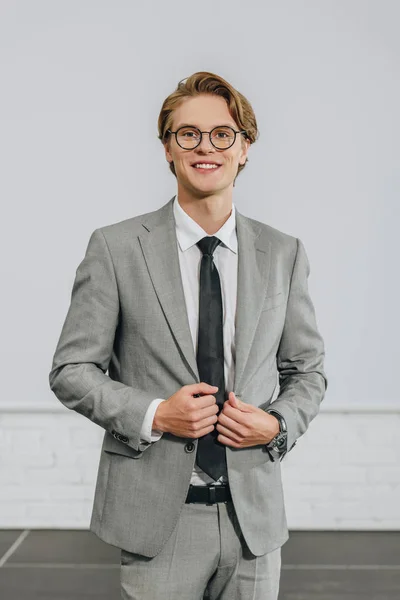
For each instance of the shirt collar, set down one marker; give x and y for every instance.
(188, 232)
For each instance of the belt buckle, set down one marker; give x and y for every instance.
(212, 498)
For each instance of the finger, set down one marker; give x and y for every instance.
(234, 413)
(204, 401)
(228, 433)
(233, 400)
(204, 413)
(207, 422)
(213, 409)
(198, 425)
(227, 441)
(230, 424)
(201, 388)
(204, 431)
(243, 406)
(226, 403)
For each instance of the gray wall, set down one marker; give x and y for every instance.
(82, 84)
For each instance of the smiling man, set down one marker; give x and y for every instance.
(199, 314)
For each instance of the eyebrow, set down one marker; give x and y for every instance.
(219, 125)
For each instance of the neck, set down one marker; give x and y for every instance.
(209, 211)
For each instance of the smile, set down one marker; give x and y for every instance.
(205, 167)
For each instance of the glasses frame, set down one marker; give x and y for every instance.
(209, 133)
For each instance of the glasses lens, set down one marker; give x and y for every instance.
(222, 137)
(188, 137)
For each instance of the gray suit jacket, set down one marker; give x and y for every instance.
(128, 316)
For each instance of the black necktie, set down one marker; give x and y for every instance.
(211, 455)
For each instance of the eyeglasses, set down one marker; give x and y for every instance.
(222, 137)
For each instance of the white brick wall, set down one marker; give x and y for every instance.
(48, 466)
(336, 477)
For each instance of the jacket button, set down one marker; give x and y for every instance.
(189, 447)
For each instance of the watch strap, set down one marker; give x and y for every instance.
(279, 452)
(282, 422)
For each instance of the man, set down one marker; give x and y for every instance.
(195, 310)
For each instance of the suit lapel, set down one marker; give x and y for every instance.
(160, 251)
(254, 258)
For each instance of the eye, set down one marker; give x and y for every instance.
(187, 132)
(223, 133)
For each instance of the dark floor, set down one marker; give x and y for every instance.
(76, 565)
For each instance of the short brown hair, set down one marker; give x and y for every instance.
(203, 82)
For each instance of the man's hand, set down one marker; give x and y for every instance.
(184, 415)
(241, 425)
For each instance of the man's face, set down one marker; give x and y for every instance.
(205, 112)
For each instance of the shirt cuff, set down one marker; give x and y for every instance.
(147, 434)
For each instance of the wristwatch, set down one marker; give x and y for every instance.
(278, 444)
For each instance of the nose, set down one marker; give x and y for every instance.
(205, 143)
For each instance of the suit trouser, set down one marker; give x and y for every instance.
(205, 557)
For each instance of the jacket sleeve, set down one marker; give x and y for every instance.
(78, 373)
(300, 356)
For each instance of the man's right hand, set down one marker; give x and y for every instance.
(184, 415)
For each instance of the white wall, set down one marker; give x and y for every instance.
(51, 463)
(82, 84)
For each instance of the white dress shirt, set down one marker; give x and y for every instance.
(188, 233)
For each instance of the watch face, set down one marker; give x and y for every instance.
(280, 441)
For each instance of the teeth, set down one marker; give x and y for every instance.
(206, 166)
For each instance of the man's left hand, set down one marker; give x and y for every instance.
(242, 425)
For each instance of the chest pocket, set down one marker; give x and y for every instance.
(274, 301)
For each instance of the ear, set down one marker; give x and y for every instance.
(245, 149)
(168, 155)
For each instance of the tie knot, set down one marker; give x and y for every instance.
(208, 244)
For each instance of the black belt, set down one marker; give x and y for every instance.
(208, 494)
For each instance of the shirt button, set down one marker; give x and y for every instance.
(189, 447)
